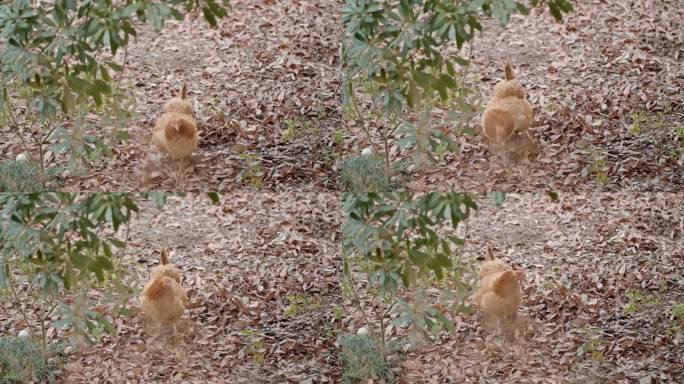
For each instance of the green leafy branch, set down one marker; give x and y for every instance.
(392, 239)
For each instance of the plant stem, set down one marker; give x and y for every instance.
(15, 126)
(18, 302)
(360, 122)
(38, 139)
(382, 316)
(382, 339)
(386, 142)
(43, 347)
(357, 299)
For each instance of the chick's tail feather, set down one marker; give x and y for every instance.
(505, 283)
(184, 91)
(158, 287)
(179, 127)
(508, 70)
(164, 257)
(490, 254)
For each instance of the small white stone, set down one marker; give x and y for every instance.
(22, 157)
(362, 331)
(24, 333)
(368, 151)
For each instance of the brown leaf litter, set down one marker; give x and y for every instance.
(586, 78)
(584, 257)
(262, 277)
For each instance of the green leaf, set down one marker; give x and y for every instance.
(555, 11)
(474, 5)
(553, 195)
(447, 81)
(79, 260)
(209, 16)
(78, 85)
(498, 197)
(104, 263)
(413, 95)
(70, 278)
(67, 101)
(128, 10)
(522, 9)
(101, 87)
(564, 5)
(461, 61)
(4, 273)
(215, 197)
(424, 79)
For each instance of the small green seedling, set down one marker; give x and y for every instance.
(337, 136)
(594, 343)
(297, 127)
(635, 300)
(367, 174)
(598, 166)
(254, 346)
(253, 172)
(300, 304)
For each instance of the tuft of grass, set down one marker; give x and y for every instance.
(337, 313)
(643, 121)
(253, 172)
(254, 345)
(678, 311)
(367, 174)
(635, 300)
(362, 359)
(594, 343)
(644, 124)
(677, 154)
(597, 165)
(299, 304)
(19, 176)
(337, 137)
(22, 362)
(677, 329)
(298, 127)
(680, 132)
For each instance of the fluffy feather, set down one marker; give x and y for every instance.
(163, 298)
(508, 114)
(499, 295)
(175, 132)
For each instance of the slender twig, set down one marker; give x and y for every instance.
(382, 315)
(21, 309)
(361, 123)
(357, 298)
(15, 125)
(123, 66)
(386, 136)
(38, 139)
(467, 67)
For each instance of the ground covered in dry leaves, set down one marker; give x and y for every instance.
(264, 85)
(584, 257)
(263, 269)
(265, 302)
(263, 278)
(606, 85)
(608, 67)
